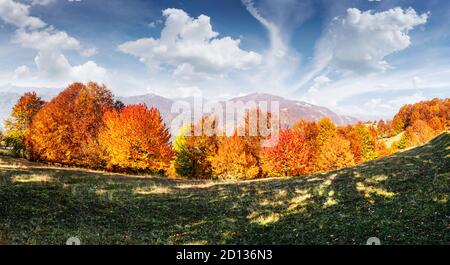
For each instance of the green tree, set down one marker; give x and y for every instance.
(194, 152)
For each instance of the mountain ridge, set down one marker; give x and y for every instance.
(291, 110)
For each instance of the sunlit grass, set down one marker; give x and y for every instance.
(32, 178)
(264, 219)
(402, 199)
(152, 190)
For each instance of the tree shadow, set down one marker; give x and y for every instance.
(401, 199)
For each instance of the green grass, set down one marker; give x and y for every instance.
(5, 152)
(402, 199)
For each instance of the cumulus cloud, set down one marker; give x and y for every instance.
(47, 39)
(18, 15)
(191, 46)
(359, 42)
(50, 60)
(50, 44)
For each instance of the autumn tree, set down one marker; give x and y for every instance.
(136, 139)
(65, 130)
(425, 111)
(17, 127)
(288, 158)
(363, 143)
(294, 153)
(195, 147)
(384, 128)
(238, 156)
(2, 137)
(236, 159)
(437, 124)
(333, 151)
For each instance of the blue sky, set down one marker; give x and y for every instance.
(364, 58)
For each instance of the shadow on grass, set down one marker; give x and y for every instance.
(402, 199)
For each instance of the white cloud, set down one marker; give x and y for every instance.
(52, 65)
(354, 95)
(47, 39)
(41, 2)
(89, 52)
(192, 44)
(88, 71)
(359, 42)
(21, 71)
(278, 45)
(280, 62)
(18, 15)
(380, 107)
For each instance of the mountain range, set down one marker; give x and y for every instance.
(290, 110)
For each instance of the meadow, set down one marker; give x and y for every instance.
(401, 199)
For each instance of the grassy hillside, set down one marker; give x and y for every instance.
(402, 199)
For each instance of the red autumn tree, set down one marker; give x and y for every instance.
(65, 130)
(290, 157)
(294, 153)
(136, 139)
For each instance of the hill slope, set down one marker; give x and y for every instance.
(402, 199)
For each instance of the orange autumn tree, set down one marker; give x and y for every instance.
(236, 159)
(65, 130)
(136, 139)
(238, 156)
(416, 134)
(333, 150)
(17, 127)
(437, 109)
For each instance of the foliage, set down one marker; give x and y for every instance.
(136, 139)
(65, 130)
(435, 112)
(196, 150)
(293, 154)
(363, 142)
(85, 126)
(402, 199)
(17, 127)
(236, 158)
(333, 151)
